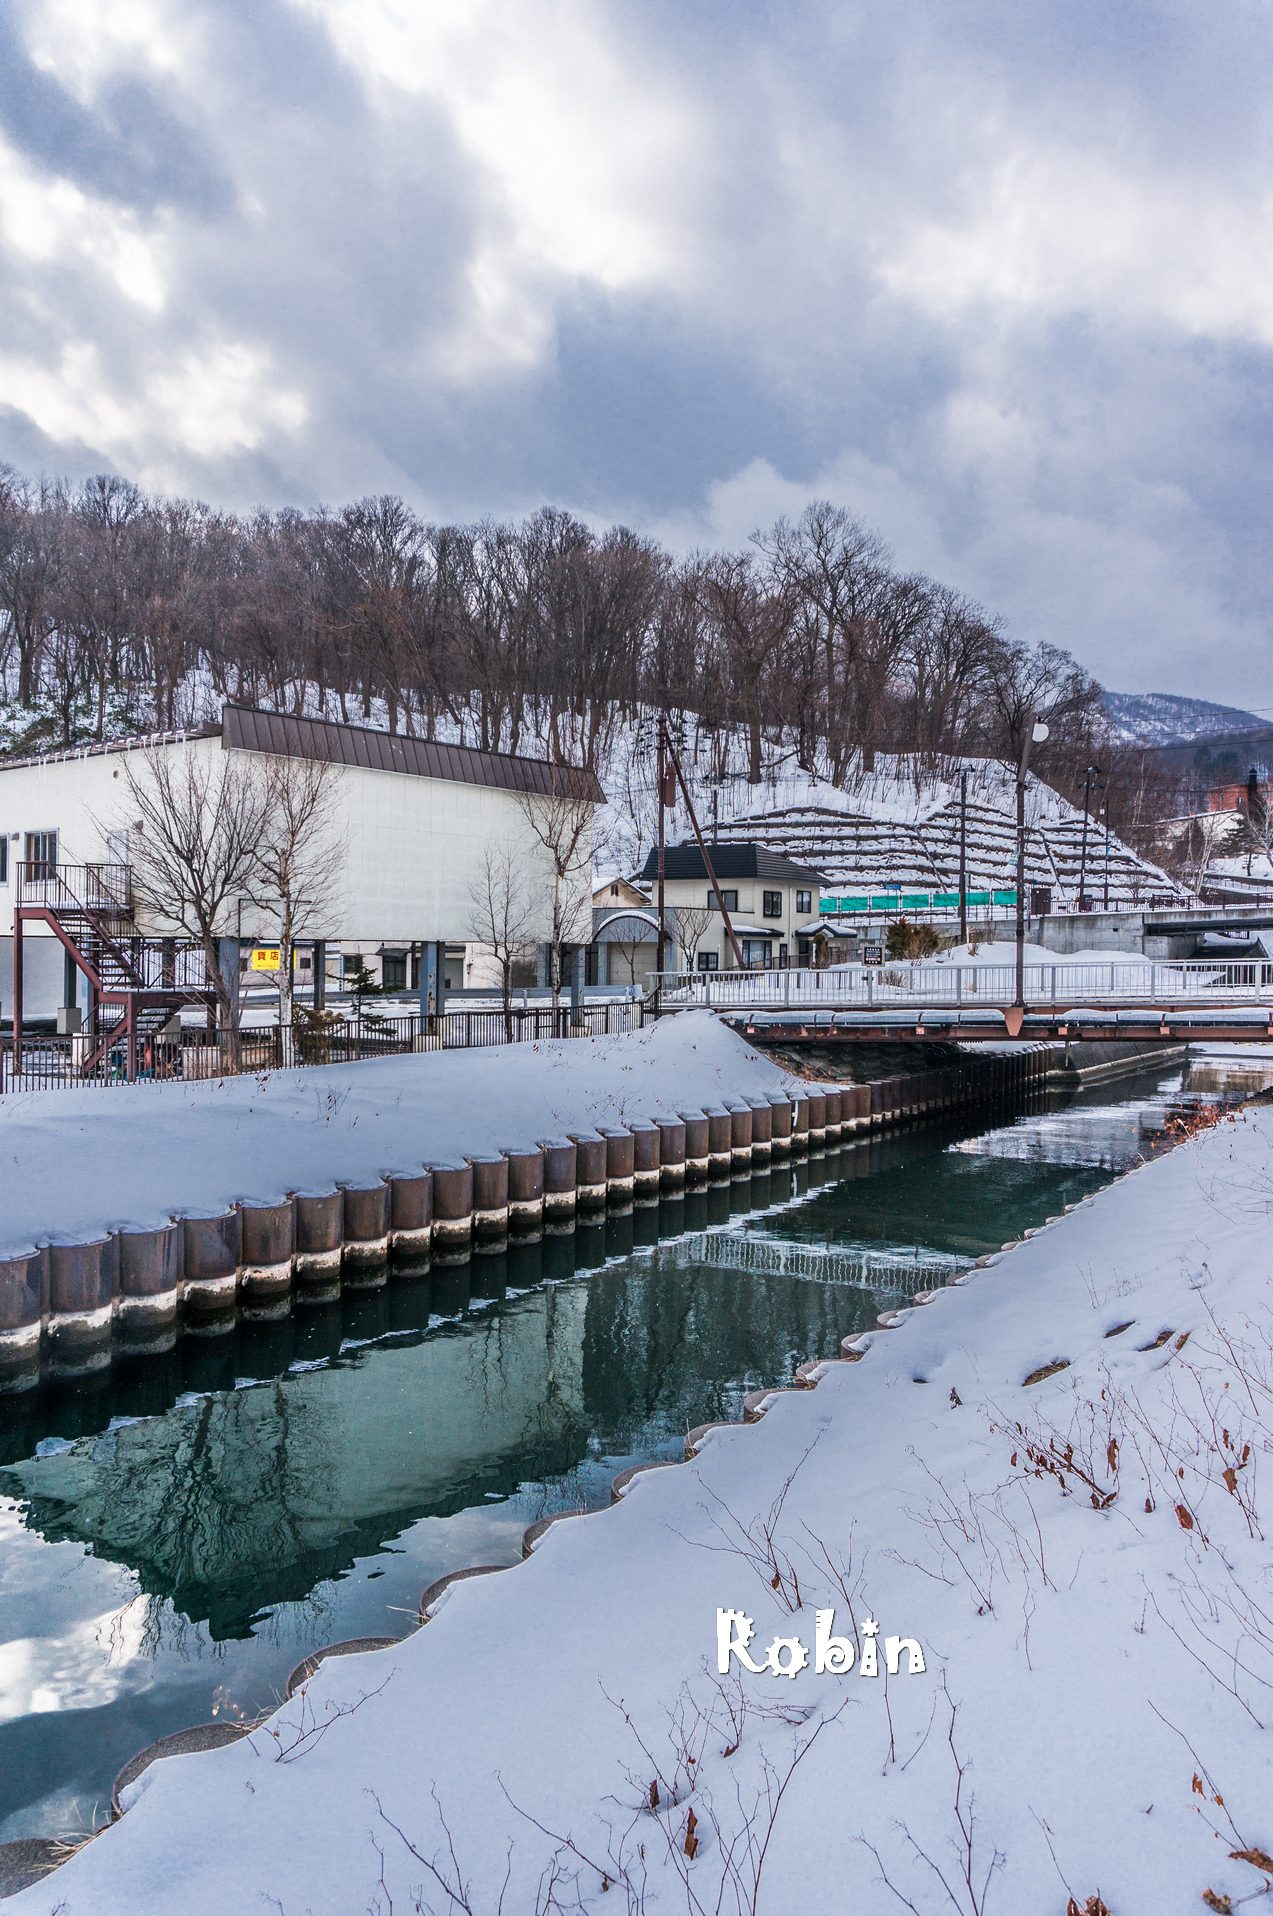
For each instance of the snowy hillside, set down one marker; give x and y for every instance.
(1160, 718)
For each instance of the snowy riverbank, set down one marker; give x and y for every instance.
(79, 1163)
(1081, 1558)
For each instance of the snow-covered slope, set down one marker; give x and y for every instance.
(1161, 718)
(142, 1152)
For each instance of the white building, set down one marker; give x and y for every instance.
(772, 903)
(416, 819)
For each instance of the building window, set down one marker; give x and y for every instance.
(804, 901)
(708, 961)
(393, 970)
(41, 859)
(730, 898)
(773, 905)
(756, 952)
(4, 860)
(614, 891)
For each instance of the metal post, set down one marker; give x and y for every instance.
(711, 869)
(1106, 904)
(963, 857)
(320, 974)
(662, 795)
(1033, 724)
(1019, 999)
(576, 988)
(17, 996)
(1087, 788)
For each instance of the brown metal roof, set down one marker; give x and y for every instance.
(246, 730)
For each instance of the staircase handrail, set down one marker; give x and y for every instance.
(45, 885)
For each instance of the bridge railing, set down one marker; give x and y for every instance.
(1205, 981)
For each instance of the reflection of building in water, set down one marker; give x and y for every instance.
(246, 1498)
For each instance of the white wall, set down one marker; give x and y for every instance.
(414, 844)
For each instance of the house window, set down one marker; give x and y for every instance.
(708, 961)
(804, 901)
(393, 970)
(773, 905)
(41, 857)
(614, 891)
(4, 860)
(730, 898)
(756, 952)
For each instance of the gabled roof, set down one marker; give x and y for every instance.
(246, 730)
(746, 860)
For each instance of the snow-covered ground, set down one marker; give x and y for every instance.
(1083, 1560)
(1003, 951)
(135, 1154)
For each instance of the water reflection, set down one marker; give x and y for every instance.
(181, 1530)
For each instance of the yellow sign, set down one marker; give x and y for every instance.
(267, 960)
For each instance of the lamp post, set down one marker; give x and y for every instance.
(1035, 733)
(1089, 773)
(1105, 809)
(963, 856)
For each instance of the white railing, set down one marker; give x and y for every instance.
(1228, 981)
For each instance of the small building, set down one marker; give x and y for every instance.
(415, 820)
(772, 903)
(611, 891)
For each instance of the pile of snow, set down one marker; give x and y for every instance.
(135, 1154)
(1081, 1559)
(1003, 951)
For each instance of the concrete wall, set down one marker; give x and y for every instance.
(1131, 931)
(1090, 931)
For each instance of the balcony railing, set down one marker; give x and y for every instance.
(105, 891)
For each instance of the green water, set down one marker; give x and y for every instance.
(175, 1537)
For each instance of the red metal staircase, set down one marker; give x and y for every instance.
(145, 982)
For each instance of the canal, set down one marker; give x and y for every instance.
(176, 1535)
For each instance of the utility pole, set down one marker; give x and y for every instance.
(963, 856)
(674, 773)
(662, 778)
(1035, 733)
(1087, 788)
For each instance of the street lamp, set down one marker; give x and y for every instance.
(1105, 810)
(1035, 733)
(963, 856)
(1090, 772)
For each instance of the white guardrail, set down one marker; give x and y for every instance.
(1246, 981)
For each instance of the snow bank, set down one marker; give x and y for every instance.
(1088, 1586)
(82, 1162)
(1003, 951)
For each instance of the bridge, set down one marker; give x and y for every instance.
(1222, 1001)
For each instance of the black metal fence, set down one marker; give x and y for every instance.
(50, 1063)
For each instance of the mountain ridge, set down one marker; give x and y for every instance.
(1165, 718)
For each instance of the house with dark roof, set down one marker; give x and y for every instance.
(771, 900)
(416, 820)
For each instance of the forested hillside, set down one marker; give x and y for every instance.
(122, 613)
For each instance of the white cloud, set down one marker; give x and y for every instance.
(50, 221)
(222, 400)
(1052, 230)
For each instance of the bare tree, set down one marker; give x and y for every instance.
(300, 856)
(502, 916)
(693, 923)
(195, 828)
(561, 822)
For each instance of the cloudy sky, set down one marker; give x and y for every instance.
(998, 277)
